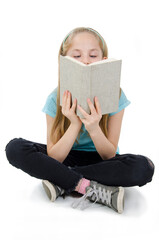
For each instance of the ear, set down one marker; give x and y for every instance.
(104, 57)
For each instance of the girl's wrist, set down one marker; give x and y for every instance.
(76, 126)
(94, 131)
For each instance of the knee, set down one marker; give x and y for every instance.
(146, 170)
(151, 168)
(12, 150)
(150, 163)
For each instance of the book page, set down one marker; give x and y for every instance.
(105, 84)
(75, 80)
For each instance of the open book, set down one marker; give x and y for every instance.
(101, 79)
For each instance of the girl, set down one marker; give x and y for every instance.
(82, 154)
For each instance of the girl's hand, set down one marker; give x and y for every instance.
(91, 121)
(68, 111)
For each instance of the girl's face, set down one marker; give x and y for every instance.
(85, 48)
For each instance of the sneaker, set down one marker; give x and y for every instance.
(113, 197)
(52, 190)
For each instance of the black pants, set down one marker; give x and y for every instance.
(122, 170)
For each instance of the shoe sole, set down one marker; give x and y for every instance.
(120, 200)
(50, 190)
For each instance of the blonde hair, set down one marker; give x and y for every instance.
(61, 123)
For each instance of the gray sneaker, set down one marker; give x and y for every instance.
(52, 190)
(112, 197)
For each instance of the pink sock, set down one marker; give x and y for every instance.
(85, 183)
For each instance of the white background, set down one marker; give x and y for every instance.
(30, 36)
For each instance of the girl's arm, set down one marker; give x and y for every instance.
(106, 147)
(61, 149)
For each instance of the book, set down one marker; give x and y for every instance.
(101, 79)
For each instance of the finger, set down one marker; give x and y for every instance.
(63, 96)
(83, 112)
(97, 104)
(91, 106)
(64, 99)
(74, 104)
(68, 99)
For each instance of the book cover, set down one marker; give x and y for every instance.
(101, 79)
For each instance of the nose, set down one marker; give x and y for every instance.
(85, 60)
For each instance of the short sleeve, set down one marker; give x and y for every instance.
(50, 104)
(123, 103)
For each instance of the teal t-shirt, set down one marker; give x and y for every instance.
(85, 142)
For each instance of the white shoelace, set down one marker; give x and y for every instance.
(99, 194)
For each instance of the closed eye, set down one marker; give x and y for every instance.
(90, 56)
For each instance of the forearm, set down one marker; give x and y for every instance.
(61, 149)
(103, 146)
